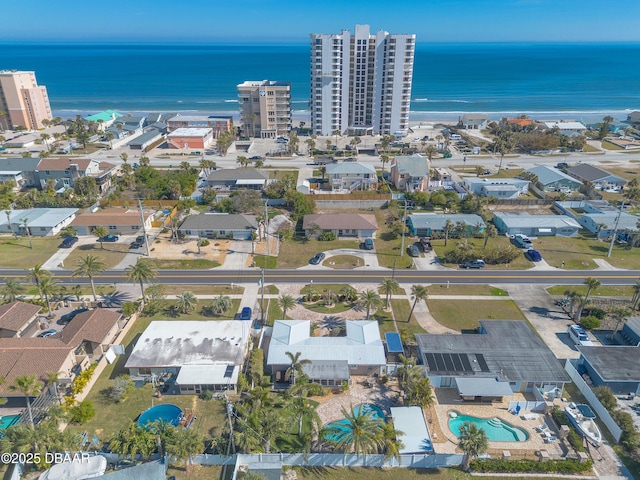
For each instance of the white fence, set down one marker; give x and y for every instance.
(599, 409)
(527, 406)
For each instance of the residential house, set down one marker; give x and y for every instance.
(474, 121)
(64, 171)
(16, 317)
(554, 180)
(600, 218)
(68, 352)
(19, 170)
(343, 225)
(352, 176)
(233, 179)
(42, 222)
(633, 117)
(513, 223)
(597, 177)
(566, 126)
(496, 187)
(428, 224)
(219, 225)
(190, 138)
(506, 356)
(631, 331)
(116, 220)
(150, 136)
(191, 356)
(613, 366)
(410, 174)
(333, 359)
(217, 124)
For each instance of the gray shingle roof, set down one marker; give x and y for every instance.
(589, 173)
(219, 221)
(332, 221)
(548, 175)
(350, 168)
(231, 174)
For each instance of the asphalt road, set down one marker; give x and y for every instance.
(216, 277)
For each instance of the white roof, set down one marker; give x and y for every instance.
(87, 468)
(190, 132)
(179, 343)
(39, 217)
(415, 432)
(207, 375)
(361, 346)
(524, 219)
(566, 125)
(250, 181)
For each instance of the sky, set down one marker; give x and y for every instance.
(289, 21)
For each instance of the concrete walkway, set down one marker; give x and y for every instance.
(604, 265)
(424, 317)
(56, 261)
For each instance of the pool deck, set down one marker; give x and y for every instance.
(447, 399)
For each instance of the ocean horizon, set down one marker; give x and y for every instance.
(543, 80)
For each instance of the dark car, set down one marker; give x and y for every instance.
(474, 264)
(140, 238)
(256, 157)
(533, 255)
(562, 165)
(245, 314)
(136, 244)
(68, 242)
(282, 140)
(414, 251)
(66, 318)
(108, 238)
(317, 259)
(47, 333)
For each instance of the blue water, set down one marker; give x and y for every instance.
(339, 428)
(166, 412)
(577, 80)
(497, 430)
(7, 420)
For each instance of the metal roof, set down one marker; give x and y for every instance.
(524, 219)
(415, 435)
(207, 375)
(482, 387)
(327, 370)
(614, 362)
(191, 132)
(350, 168)
(39, 217)
(413, 165)
(361, 346)
(547, 175)
(510, 350)
(626, 222)
(234, 174)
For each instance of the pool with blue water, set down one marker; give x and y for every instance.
(168, 413)
(497, 430)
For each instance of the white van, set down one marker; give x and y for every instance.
(579, 336)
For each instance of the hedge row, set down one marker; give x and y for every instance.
(531, 466)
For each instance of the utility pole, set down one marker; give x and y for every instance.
(262, 297)
(144, 229)
(615, 230)
(266, 226)
(393, 275)
(404, 227)
(229, 411)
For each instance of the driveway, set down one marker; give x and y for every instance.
(237, 255)
(56, 261)
(369, 259)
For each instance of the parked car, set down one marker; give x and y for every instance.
(67, 317)
(108, 238)
(368, 244)
(349, 159)
(140, 238)
(135, 245)
(413, 251)
(256, 157)
(282, 140)
(521, 241)
(68, 242)
(474, 264)
(562, 165)
(317, 259)
(533, 255)
(47, 333)
(245, 314)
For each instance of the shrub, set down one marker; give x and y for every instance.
(82, 379)
(596, 312)
(589, 323)
(326, 237)
(559, 416)
(575, 440)
(206, 395)
(606, 397)
(129, 308)
(164, 230)
(122, 385)
(531, 466)
(204, 242)
(83, 412)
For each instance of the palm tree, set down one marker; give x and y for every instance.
(100, 232)
(390, 445)
(221, 304)
(473, 441)
(490, 231)
(48, 287)
(142, 273)
(12, 289)
(388, 287)
(448, 228)
(53, 378)
(25, 222)
(296, 366)
(29, 386)
(286, 302)
(88, 267)
(302, 409)
(592, 285)
(359, 432)
(77, 291)
(184, 443)
(621, 315)
(369, 299)
(635, 299)
(186, 302)
(418, 292)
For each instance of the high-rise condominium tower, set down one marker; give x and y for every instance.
(361, 83)
(24, 103)
(265, 108)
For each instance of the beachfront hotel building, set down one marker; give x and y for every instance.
(24, 103)
(265, 108)
(361, 83)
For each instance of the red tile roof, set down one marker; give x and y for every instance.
(14, 315)
(91, 326)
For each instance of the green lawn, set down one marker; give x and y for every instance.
(204, 289)
(15, 253)
(441, 289)
(324, 288)
(506, 172)
(169, 313)
(111, 255)
(602, 291)
(338, 307)
(401, 309)
(465, 315)
(273, 312)
(263, 261)
(297, 252)
(343, 262)
(520, 263)
(388, 247)
(195, 264)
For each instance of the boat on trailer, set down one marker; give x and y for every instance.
(583, 418)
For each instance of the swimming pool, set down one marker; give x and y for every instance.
(167, 412)
(339, 429)
(497, 430)
(7, 420)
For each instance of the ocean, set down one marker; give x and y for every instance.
(577, 81)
